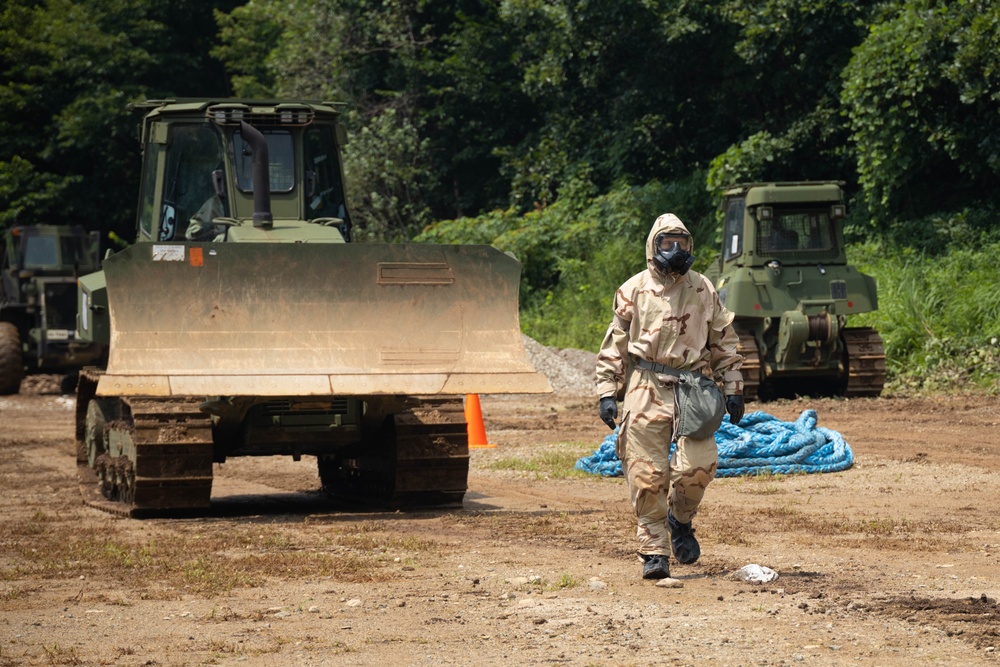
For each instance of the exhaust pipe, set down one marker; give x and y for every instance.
(261, 176)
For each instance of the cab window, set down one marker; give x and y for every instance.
(193, 153)
(733, 233)
(280, 157)
(326, 196)
(41, 252)
(797, 230)
(75, 252)
(147, 217)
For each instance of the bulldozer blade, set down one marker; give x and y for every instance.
(292, 319)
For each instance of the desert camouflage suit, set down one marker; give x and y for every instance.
(678, 321)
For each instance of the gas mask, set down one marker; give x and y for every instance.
(673, 258)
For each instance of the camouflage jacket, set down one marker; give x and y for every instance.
(669, 319)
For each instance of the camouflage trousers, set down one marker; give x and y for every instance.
(657, 483)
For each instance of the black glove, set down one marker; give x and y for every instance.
(609, 411)
(734, 406)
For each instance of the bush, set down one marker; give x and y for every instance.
(939, 315)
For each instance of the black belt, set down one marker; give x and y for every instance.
(661, 369)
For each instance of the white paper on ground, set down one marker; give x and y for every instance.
(755, 574)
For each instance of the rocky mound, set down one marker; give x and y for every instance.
(570, 371)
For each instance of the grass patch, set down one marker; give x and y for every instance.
(564, 582)
(881, 532)
(549, 464)
(211, 576)
(17, 593)
(61, 655)
(768, 490)
(880, 526)
(378, 536)
(940, 334)
(732, 533)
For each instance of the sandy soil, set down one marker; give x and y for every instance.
(893, 562)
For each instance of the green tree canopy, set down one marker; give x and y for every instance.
(922, 94)
(461, 107)
(67, 73)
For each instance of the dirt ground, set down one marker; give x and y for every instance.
(895, 561)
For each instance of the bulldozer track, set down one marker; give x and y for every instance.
(11, 364)
(864, 358)
(168, 468)
(751, 369)
(420, 459)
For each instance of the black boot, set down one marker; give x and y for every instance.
(656, 567)
(682, 539)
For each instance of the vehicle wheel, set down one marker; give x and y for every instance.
(11, 362)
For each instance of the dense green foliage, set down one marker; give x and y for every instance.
(939, 316)
(922, 94)
(68, 69)
(463, 107)
(555, 129)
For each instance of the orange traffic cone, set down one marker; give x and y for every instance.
(474, 423)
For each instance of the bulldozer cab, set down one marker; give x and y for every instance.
(30, 254)
(198, 170)
(794, 223)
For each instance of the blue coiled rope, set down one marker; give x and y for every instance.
(761, 444)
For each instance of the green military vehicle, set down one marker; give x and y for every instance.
(39, 266)
(783, 272)
(245, 322)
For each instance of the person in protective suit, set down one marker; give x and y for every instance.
(667, 319)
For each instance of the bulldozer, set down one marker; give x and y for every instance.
(783, 272)
(39, 266)
(245, 321)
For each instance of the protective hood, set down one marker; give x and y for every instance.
(665, 223)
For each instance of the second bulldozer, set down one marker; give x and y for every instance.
(783, 272)
(244, 322)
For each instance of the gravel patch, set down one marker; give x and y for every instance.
(571, 372)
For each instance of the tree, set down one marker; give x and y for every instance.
(509, 101)
(627, 91)
(67, 73)
(792, 125)
(922, 94)
(429, 88)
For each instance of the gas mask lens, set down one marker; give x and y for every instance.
(666, 241)
(673, 253)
